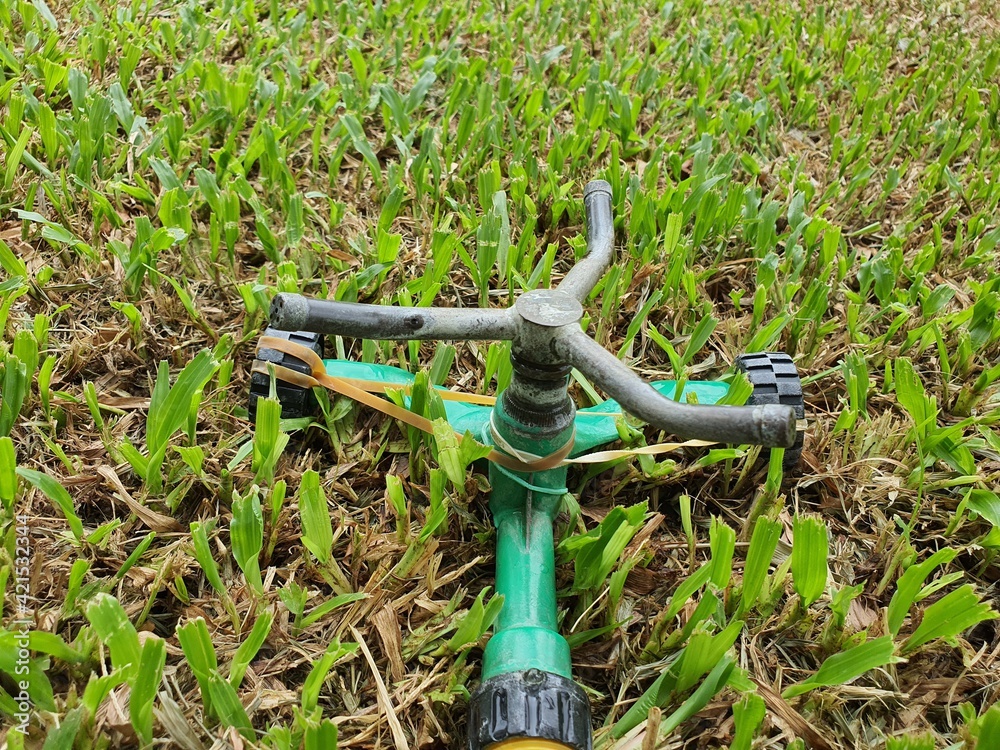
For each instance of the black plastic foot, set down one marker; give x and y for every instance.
(775, 380)
(295, 401)
(529, 705)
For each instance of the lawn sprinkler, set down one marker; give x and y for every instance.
(527, 699)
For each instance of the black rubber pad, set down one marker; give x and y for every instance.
(295, 401)
(775, 380)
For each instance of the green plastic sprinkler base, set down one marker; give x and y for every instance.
(530, 705)
(527, 699)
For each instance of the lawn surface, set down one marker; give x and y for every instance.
(819, 179)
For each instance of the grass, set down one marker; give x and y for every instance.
(807, 177)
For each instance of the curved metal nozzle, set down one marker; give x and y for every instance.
(583, 277)
(770, 425)
(293, 312)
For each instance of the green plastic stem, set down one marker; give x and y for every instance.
(526, 634)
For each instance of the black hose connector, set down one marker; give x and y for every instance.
(529, 705)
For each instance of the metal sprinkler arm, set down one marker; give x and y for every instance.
(770, 425)
(293, 312)
(583, 277)
(544, 326)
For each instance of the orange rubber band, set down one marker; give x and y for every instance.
(363, 392)
(339, 385)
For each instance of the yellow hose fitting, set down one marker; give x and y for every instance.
(528, 744)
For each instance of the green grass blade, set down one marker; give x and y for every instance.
(8, 473)
(321, 668)
(748, 715)
(810, 548)
(760, 554)
(317, 529)
(112, 625)
(845, 666)
(147, 682)
(249, 648)
(910, 584)
(246, 534)
(950, 616)
(57, 494)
